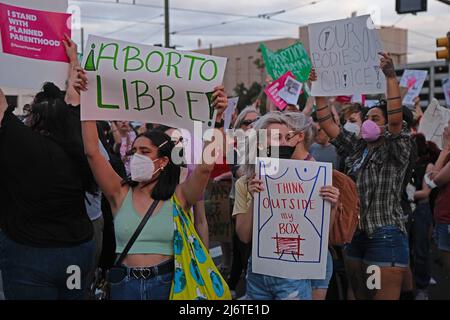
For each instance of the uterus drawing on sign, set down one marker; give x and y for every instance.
(290, 220)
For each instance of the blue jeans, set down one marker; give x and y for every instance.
(323, 284)
(45, 273)
(442, 234)
(386, 247)
(420, 236)
(263, 287)
(130, 288)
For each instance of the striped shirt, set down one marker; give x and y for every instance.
(379, 172)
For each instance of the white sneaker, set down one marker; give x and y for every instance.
(432, 281)
(422, 295)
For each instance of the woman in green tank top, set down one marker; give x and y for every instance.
(154, 177)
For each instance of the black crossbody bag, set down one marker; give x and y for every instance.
(101, 286)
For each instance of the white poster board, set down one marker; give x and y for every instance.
(434, 121)
(291, 220)
(25, 73)
(129, 81)
(228, 114)
(345, 56)
(413, 80)
(446, 89)
(291, 90)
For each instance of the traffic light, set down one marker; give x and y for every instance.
(445, 44)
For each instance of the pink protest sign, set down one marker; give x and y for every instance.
(33, 34)
(275, 87)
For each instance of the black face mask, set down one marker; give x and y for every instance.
(286, 152)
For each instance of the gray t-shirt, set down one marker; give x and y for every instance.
(325, 154)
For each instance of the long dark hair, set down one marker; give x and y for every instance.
(168, 178)
(427, 151)
(59, 122)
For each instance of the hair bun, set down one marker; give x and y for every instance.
(51, 90)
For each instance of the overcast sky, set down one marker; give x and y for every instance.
(146, 24)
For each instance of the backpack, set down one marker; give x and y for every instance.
(347, 213)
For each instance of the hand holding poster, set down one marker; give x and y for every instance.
(130, 81)
(413, 80)
(434, 121)
(291, 220)
(345, 56)
(293, 58)
(272, 91)
(31, 34)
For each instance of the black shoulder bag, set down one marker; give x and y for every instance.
(100, 287)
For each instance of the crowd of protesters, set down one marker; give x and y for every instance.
(72, 193)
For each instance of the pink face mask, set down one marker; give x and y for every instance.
(370, 131)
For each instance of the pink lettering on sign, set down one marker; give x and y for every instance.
(33, 34)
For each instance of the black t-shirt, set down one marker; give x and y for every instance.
(42, 198)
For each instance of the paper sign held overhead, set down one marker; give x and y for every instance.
(413, 80)
(446, 89)
(272, 91)
(129, 81)
(293, 58)
(291, 91)
(345, 56)
(434, 121)
(29, 43)
(291, 220)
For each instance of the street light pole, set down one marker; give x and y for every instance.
(166, 23)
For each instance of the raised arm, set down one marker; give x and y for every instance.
(394, 98)
(194, 186)
(72, 96)
(3, 105)
(324, 113)
(108, 180)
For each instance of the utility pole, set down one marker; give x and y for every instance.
(166, 24)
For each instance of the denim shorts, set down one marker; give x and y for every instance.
(323, 284)
(264, 287)
(442, 236)
(386, 247)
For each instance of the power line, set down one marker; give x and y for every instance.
(130, 26)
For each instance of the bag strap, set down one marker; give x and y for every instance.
(136, 233)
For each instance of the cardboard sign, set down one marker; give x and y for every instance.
(446, 89)
(272, 91)
(434, 121)
(413, 80)
(291, 91)
(293, 58)
(129, 81)
(218, 214)
(345, 56)
(291, 220)
(18, 60)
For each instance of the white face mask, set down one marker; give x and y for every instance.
(142, 168)
(352, 127)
